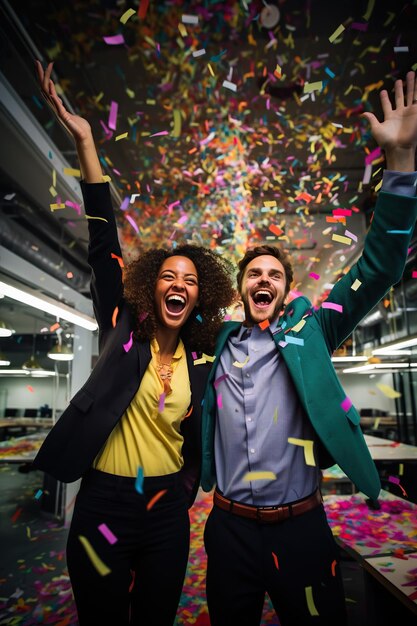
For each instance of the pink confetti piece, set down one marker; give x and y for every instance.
(129, 344)
(344, 212)
(114, 40)
(220, 401)
(114, 107)
(314, 275)
(394, 479)
(143, 316)
(194, 355)
(182, 219)
(160, 134)
(132, 222)
(220, 379)
(282, 344)
(161, 404)
(414, 274)
(73, 205)
(332, 305)
(373, 156)
(105, 530)
(346, 404)
(351, 235)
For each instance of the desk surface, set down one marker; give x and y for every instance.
(30, 422)
(21, 449)
(365, 532)
(387, 450)
(399, 575)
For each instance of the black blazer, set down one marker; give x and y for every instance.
(73, 443)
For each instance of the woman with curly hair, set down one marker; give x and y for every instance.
(133, 431)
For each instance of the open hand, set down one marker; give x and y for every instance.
(77, 126)
(399, 128)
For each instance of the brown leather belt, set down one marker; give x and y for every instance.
(268, 514)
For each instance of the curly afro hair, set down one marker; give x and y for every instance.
(216, 293)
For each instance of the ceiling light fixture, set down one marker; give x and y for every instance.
(61, 353)
(349, 359)
(4, 361)
(48, 305)
(397, 345)
(5, 331)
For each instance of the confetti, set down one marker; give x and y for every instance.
(143, 7)
(298, 327)
(70, 171)
(229, 85)
(114, 316)
(346, 404)
(356, 284)
(139, 480)
(220, 379)
(339, 30)
(333, 306)
(263, 325)
(310, 601)
(314, 275)
(388, 391)
(189, 19)
(101, 567)
(155, 499)
(274, 556)
(249, 476)
(308, 445)
(242, 363)
(105, 530)
(294, 340)
(161, 404)
(93, 217)
(114, 40)
(341, 239)
(127, 15)
(127, 346)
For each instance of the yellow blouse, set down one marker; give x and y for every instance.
(145, 436)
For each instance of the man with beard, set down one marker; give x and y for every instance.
(274, 410)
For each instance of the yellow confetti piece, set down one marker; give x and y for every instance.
(93, 217)
(207, 357)
(130, 93)
(259, 476)
(72, 171)
(210, 69)
(241, 363)
(53, 178)
(309, 87)
(401, 469)
(106, 178)
(270, 203)
(355, 286)
(53, 191)
(299, 326)
(101, 567)
(28, 532)
(310, 601)
(55, 207)
(369, 9)
(388, 391)
(276, 416)
(122, 136)
(342, 239)
(308, 448)
(127, 15)
(182, 29)
(339, 30)
(200, 361)
(176, 131)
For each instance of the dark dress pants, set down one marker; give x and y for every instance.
(294, 561)
(147, 563)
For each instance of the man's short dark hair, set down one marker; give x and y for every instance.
(274, 251)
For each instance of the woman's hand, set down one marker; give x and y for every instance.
(77, 126)
(397, 134)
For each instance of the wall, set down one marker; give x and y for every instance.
(364, 393)
(19, 394)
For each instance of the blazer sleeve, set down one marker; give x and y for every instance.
(380, 266)
(106, 280)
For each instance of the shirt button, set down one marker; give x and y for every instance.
(249, 419)
(252, 450)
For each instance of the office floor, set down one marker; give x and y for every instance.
(34, 586)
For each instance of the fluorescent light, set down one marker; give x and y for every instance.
(389, 352)
(358, 369)
(376, 366)
(48, 305)
(25, 373)
(398, 345)
(61, 353)
(348, 359)
(5, 331)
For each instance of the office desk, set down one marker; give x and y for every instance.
(377, 537)
(21, 449)
(23, 424)
(387, 450)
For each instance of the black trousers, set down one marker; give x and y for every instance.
(148, 561)
(295, 562)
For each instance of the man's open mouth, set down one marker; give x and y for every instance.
(175, 304)
(262, 298)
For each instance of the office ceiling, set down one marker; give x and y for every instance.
(203, 126)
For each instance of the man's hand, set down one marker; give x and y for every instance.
(397, 134)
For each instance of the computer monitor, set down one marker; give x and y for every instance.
(9, 412)
(30, 413)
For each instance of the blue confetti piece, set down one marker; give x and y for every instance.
(296, 340)
(199, 318)
(38, 494)
(399, 232)
(139, 480)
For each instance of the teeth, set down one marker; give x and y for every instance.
(263, 292)
(177, 298)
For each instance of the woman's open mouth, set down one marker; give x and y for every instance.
(175, 304)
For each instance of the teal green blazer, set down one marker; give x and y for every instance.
(380, 266)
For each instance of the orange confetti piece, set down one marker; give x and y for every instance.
(155, 499)
(189, 412)
(114, 316)
(16, 514)
(264, 324)
(276, 230)
(119, 258)
(143, 7)
(54, 327)
(274, 556)
(30, 388)
(70, 275)
(334, 567)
